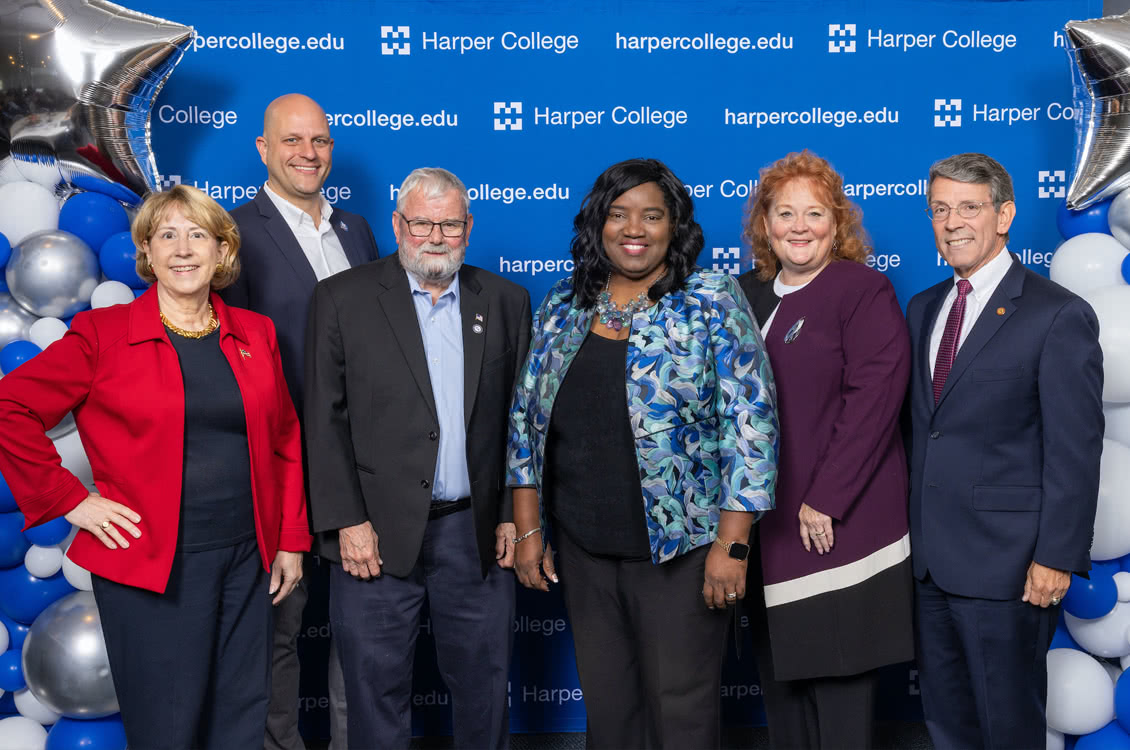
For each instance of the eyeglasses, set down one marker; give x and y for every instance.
(423, 227)
(965, 209)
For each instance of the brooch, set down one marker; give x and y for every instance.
(790, 337)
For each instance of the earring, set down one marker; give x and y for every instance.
(220, 267)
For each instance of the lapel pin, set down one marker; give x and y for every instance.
(479, 317)
(477, 328)
(790, 337)
(245, 354)
(343, 227)
(1000, 311)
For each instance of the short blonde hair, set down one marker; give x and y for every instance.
(198, 208)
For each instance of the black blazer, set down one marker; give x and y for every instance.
(277, 280)
(371, 426)
(1005, 469)
(760, 295)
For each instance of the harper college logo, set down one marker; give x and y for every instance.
(947, 113)
(507, 115)
(166, 183)
(841, 37)
(722, 254)
(395, 40)
(1052, 183)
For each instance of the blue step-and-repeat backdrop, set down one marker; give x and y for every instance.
(529, 102)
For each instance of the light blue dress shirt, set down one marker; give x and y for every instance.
(441, 327)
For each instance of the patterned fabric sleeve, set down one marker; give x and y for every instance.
(745, 401)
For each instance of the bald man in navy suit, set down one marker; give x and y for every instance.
(1004, 440)
(292, 239)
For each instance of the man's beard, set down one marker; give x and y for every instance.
(427, 265)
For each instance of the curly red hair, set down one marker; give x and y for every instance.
(851, 241)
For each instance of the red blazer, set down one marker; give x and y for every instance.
(120, 375)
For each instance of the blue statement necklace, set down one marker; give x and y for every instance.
(617, 317)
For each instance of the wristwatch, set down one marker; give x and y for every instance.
(736, 550)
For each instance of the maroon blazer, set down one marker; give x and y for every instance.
(117, 371)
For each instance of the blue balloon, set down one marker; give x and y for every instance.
(16, 353)
(88, 734)
(1122, 701)
(1070, 223)
(1091, 599)
(1126, 268)
(1105, 567)
(112, 189)
(1062, 638)
(11, 671)
(7, 500)
(52, 532)
(1110, 737)
(93, 217)
(8, 704)
(13, 543)
(118, 257)
(5, 250)
(17, 632)
(23, 596)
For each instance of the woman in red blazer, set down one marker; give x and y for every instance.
(199, 516)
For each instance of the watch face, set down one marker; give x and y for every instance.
(739, 551)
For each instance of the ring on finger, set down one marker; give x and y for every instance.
(1055, 601)
(105, 525)
(818, 533)
(731, 596)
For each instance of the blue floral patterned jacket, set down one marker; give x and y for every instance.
(701, 401)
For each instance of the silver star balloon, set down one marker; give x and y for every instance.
(78, 79)
(1100, 53)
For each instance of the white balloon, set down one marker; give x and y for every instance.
(1124, 661)
(28, 705)
(4, 641)
(1112, 306)
(8, 171)
(1088, 261)
(1114, 671)
(26, 208)
(1112, 517)
(1080, 695)
(46, 331)
(22, 733)
(1117, 422)
(76, 575)
(111, 293)
(1103, 636)
(43, 562)
(1122, 581)
(1055, 740)
(74, 458)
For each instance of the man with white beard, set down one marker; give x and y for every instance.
(410, 367)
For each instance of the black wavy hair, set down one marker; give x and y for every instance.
(591, 264)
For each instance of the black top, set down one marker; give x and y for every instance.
(592, 479)
(216, 492)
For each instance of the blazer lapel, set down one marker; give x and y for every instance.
(474, 310)
(997, 310)
(347, 235)
(280, 232)
(398, 307)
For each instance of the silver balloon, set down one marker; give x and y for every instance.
(65, 427)
(53, 273)
(77, 86)
(64, 659)
(1100, 51)
(15, 321)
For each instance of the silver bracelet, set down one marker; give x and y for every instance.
(528, 534)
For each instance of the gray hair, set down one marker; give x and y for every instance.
(433, 182)
(977, 169)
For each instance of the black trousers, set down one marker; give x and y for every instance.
(982, 668)
(375, 623)
(282, 715)
(192, 666)
(649, 652)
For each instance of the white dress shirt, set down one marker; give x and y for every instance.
(320, 244)
(984, 281)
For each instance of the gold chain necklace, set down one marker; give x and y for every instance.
(212, 325)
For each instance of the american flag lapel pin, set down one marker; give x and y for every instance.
(343, 227)
(245, 354)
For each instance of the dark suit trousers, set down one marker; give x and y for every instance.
(192, 666)
(649, 652)
(282, 716)
(375, 624)
(982, 669)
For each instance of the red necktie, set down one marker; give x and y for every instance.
(948, 348)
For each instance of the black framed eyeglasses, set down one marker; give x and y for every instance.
(423, 228)
(965, 209)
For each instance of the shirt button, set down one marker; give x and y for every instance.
(935, 435)
(432, 435)
(425, 483)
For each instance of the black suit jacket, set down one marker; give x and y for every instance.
(1005, 469)
(371, 426)
(277, 279)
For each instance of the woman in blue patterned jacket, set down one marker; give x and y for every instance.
(650, 448)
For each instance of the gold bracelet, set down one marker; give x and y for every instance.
(527, 535)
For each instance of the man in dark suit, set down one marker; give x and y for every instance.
(410, 369)
(1005, 435)
(292, 238)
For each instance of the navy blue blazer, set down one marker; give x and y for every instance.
(277, 279)
(1005, 470)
